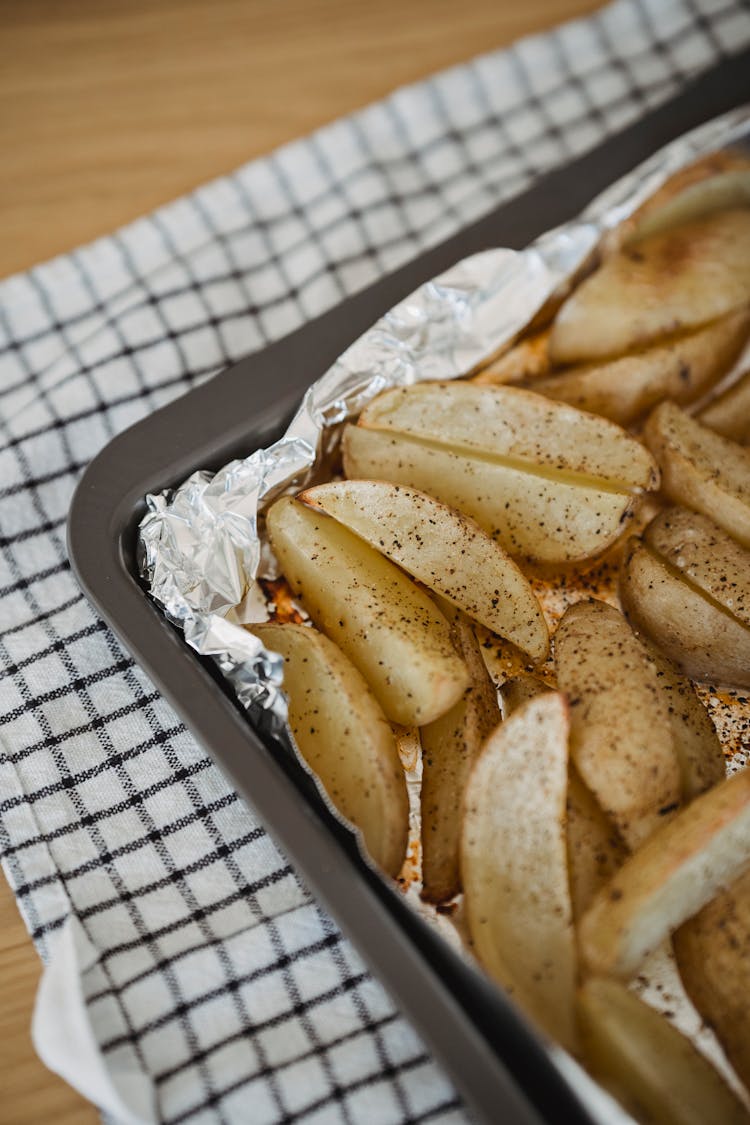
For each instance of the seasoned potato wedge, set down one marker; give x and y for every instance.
(681, 369)
(450, 746)
(595, 848)
(518, 690)
(713, 956)
(716, 182)
(695, 548)
(707, 638)
(621, 740)
(667, 282)
(444, 550)
(729, 413)
(516, 427)
(390, 630)
(700, 469)
(514, 865)
(549, 482)
(658, 1075)
(673, 874)
(698, 749)
(344, 737)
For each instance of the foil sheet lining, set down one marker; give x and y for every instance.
(201, 552)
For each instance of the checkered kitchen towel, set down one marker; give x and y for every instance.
(190, 976)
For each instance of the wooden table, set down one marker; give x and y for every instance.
(109, 110)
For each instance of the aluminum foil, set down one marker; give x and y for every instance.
(200, 547)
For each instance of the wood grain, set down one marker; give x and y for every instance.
(110, 109)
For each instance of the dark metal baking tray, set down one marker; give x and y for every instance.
(496, 1059)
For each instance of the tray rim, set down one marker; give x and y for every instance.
(488, 1048)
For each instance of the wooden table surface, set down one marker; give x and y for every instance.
(110, 109)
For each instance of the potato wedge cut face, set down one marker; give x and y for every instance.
(390, 630)
(642, 1058)
(693, 546)
(518, 428)
(672, 875)
(547, 521)
(704, 640)
(713, 955)
(621, 740)
(345, 738)
(668, 282)
(514, 863)
(701, 470)
(450, 747)
(729, 413)
(443, 549)
(681, 369)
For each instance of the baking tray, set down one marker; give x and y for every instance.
(502, 1067)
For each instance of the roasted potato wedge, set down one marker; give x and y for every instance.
(444, 550)
(621, 740)
(667, 282)
(595, 848)
(713, 955)
(681, 369)
(658, 1075)
(673, 874)
(514, 864)
(729, 413)
(391, 631)
(698, 749)
(701, 469)
(345, 738)
(718, 182)
(549, 482)
(450, 746)
(693, 601)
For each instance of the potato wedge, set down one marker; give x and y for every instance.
(673, 874)
(450, 746)
(526, 359)
(713, 955)
(519, 690)
(729, 413)
(700, 469)
(658, 1075)
(515, 427)
(698, 749)
(668, 282)
(621, 740)
(514, 864)
(681, 369)
(696, 549)
(390, 630)
(344, 737)
(550, 483)
(595, 848)
(716, 182)
(700, 635)
(444, 550)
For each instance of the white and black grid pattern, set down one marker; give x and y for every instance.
(214, 972)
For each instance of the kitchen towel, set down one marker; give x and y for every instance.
(190, 975)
